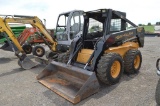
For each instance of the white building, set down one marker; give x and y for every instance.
(157, 29)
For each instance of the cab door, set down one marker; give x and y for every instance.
(73, 27)
(76, 24)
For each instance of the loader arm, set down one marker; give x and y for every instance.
(35, 22)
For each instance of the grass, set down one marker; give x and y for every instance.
(149, 28)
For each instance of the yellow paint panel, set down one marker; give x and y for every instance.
(123, 48)
(87, 51)
(84, 55)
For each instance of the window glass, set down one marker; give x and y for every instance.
(94, 26)
(82, 22)
(61, 28)
(75, 25)
(62, 20)
(115, 25)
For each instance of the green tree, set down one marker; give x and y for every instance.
(94, 28)
(149, 24)
(139, 24)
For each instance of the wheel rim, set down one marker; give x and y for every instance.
(137, 62)
(115, 69)
(39, 51)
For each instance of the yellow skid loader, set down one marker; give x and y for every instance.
(104, 51)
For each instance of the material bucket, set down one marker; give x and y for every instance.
(26, 63)
(72, 83)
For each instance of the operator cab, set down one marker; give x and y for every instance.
(69, 24)
(96, 26)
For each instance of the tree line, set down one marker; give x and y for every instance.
(149, 24)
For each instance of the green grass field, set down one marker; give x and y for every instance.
(149, 28)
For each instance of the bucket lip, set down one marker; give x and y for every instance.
(77, 69)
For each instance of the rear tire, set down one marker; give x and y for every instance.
(157, 93)
(110, 68)
(132, 61)
(38, 51)
(27, 49)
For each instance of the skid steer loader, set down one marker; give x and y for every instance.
(105, 49)
(65, 30)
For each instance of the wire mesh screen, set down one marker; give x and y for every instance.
(115, 25)
(94, 26)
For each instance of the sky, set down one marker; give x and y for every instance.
(138, 11)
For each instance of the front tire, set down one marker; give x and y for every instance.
(110, 68)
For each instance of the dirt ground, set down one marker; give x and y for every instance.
(19, 87)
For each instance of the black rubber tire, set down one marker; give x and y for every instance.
(27, 49)
(129, 65)
(104, 68)
(63, 57)
(157, 93)
(38, 51)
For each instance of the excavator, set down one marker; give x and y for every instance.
(106, 49)
(5, 30)
(65, 32)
